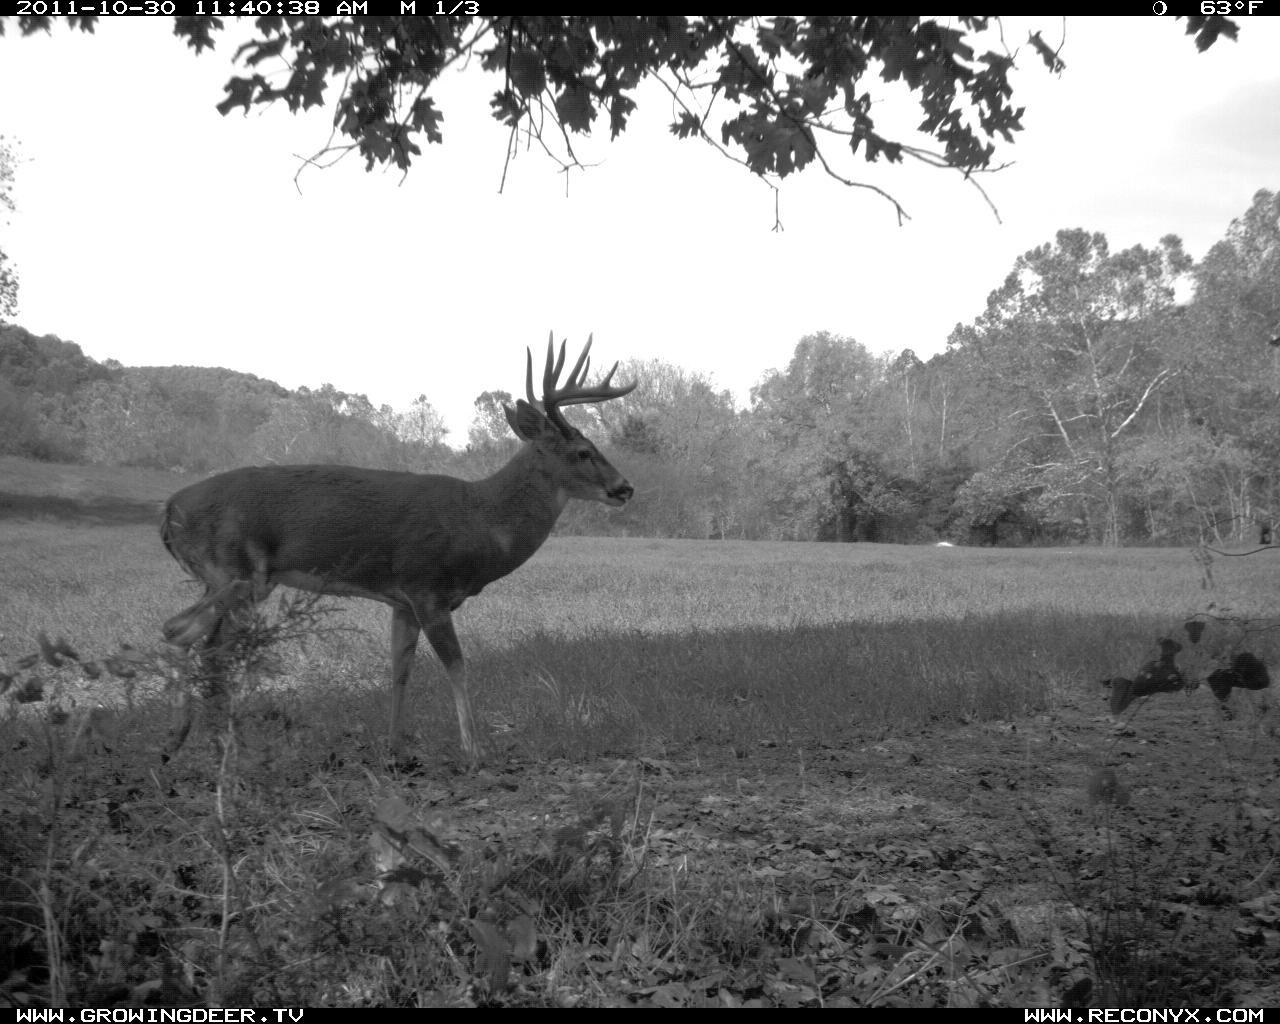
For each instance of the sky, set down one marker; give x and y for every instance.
(152, 230)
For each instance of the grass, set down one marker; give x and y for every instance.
(96, 494)
(668, 642)
(705, 769)
(68, 480)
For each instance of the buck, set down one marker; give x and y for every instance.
(419, 542)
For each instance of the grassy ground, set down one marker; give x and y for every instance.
(723, 774)
(93, 494)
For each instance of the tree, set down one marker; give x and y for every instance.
(489, 427)
(679, 434)
(422, 424)
(128, 422)
(907, 371)
(216, 411)
(490, 439)
(328, 425)
(993, 502)
(45, 363)
(826, 428)
(785, 90)
(1073, 339)
(19, 426)
(1191, 485)
(8, 276)
(1230, 384)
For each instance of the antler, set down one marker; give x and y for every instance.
(575, 391)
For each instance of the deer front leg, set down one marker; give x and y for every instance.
(444, 641)
(404, 641)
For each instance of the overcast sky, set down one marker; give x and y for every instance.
(152, 230)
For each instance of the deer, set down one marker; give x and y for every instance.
(420, 542)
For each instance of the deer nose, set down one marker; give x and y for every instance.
(622, 492)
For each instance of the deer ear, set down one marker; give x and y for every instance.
(527, 422)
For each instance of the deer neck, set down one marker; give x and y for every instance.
(522, 504)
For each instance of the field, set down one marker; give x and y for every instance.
(720, 774)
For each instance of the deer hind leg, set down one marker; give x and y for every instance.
(212, 619)
(404, 642)
(234, 579)
(444, 641)
(205, 617)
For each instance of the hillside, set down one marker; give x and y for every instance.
(59, 405)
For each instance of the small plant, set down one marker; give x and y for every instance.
(57, 875)
(1141, 890)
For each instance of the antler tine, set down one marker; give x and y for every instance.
(528, 380)
(551, 378)
(602, 392)
(551, 373)
(599, 393)
(560, 360)
(577, 379)
(574, 391)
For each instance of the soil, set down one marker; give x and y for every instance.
(1070, 859)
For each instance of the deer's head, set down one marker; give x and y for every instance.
(573, 462)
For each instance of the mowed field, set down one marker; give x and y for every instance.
(722, 773)
(674, 641)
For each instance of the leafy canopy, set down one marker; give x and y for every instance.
(781, 88)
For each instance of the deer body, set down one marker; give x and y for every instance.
(464, 535)
(421, 543)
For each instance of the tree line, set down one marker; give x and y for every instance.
(1102, 397)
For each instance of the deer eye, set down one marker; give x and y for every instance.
(584, 454)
